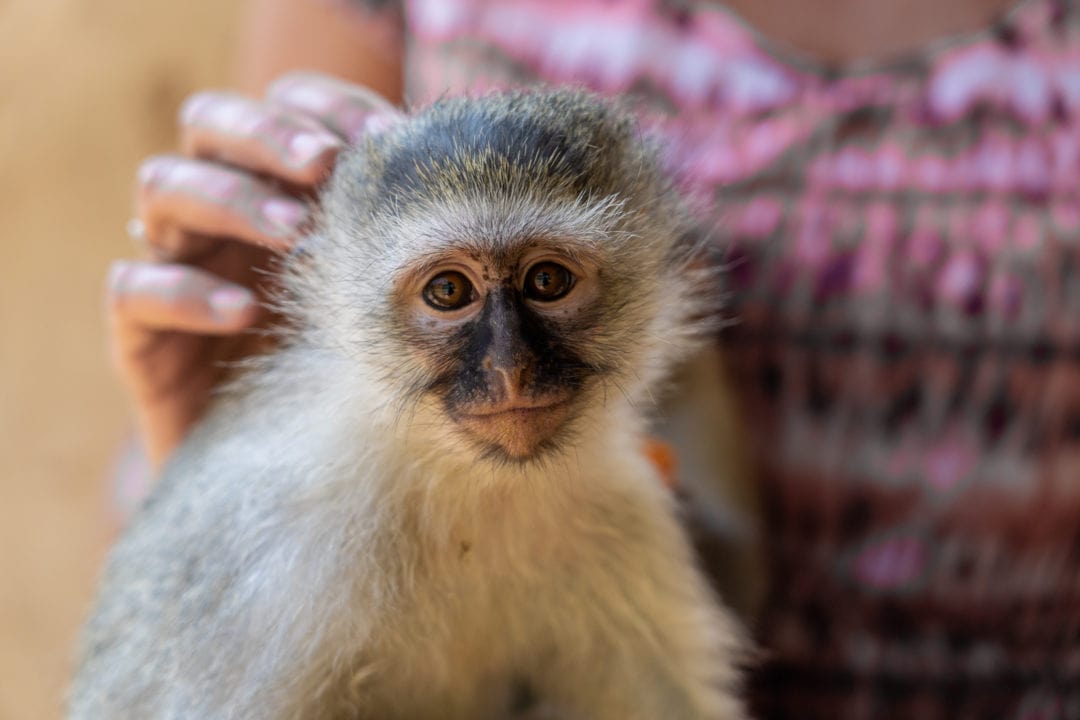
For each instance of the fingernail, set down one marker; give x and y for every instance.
(189, 110)
(302, 92)
(151, 169)
(284, 215)
(305, 147)
(353, 122)
(380, 122)
(165, 281)
(229, 301)
(117, 270)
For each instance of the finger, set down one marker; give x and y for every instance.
(260, 137)
(352, 111)
(196, 197)
(144, 296)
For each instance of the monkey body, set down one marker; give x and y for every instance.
(438, 509)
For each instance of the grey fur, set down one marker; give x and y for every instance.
(328, 544)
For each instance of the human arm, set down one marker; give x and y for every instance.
(215, 215)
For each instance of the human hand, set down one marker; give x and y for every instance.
(213, 219)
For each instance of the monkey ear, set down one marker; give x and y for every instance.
(699, 270)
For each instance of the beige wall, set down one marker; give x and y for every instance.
(87, 87)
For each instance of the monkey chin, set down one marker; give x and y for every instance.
(517, 433)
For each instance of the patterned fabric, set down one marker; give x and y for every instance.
(904, 243)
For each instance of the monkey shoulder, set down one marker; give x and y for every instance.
(214, 568)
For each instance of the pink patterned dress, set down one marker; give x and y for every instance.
(905, 261)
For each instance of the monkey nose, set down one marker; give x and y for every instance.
(508, 375)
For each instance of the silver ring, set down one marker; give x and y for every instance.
(136, 230)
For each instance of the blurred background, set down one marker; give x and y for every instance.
(87, 88)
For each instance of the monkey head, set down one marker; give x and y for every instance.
(511, 264)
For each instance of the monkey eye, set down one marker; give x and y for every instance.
(547, 281)
(448, 291)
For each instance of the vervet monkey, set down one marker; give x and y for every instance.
(431, 502)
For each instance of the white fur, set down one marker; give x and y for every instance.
(347, 588)
(328, 544)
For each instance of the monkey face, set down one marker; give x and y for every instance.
(505, 334)
(504, 267)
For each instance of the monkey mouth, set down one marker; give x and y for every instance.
(522, 408)
(519, 428)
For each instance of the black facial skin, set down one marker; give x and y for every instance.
(507, 334)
